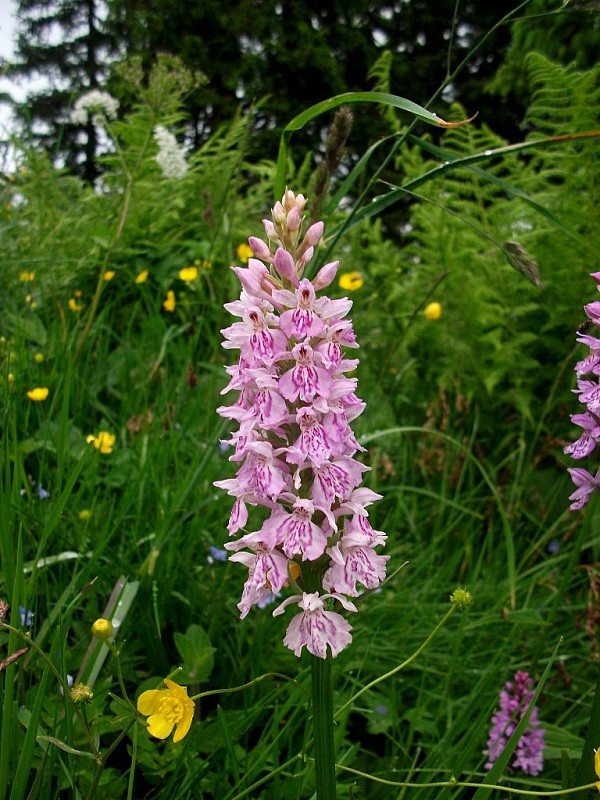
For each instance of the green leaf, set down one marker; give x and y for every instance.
(526, 616)
(30, 328)
(197, 654)
(391, 100)
(63, 746)
(557, 740)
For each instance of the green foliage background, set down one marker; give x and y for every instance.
(466, 418)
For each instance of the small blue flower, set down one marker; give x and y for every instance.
(270, 599)
(217, 554)
(25, 617)
(43, 494)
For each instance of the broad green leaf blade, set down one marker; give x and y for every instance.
(197, 653)
(116, 610)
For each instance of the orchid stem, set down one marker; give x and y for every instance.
(322, 689)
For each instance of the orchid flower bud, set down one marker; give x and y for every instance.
(314, 234)
(270, 229)
(279, 214)
(259, 248)
(293, 220)
(284, 264)
(304, 259)
(326, 275)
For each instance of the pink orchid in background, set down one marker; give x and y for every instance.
(515, 699)
(294, 445)
(588, 388)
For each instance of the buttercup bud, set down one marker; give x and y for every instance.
(102, 629)
(81, 693)
(461, 598)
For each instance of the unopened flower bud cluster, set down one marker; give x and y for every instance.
(294, 446)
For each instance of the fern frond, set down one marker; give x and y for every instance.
(381, 74)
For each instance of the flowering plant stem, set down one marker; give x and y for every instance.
(322, 691)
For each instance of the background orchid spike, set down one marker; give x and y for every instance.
(294, 447)
(514, 701)
(588, 388)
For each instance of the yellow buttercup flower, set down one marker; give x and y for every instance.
(142, 276)
(38, 394)
(102, 629)
(38, 358)
(597, 766)
(26, 277)
(244, 252)
(109, 274)
(188, 274)
(74, 305)
(169, 304)
(85, 514)
(351, 281)
(167, 709)
(433, 311)
(103, 442)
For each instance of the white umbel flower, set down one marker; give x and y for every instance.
(95, 105)
(170, 158)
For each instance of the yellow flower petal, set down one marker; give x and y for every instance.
(109, 274)
(182, 728)
(169, 304)
(433, 311)
(188, 274)
(597, 764)
(159, 726)
(167, 709)
(148, 701)
(103, 442)
(142, 276)
(244, 252)
(351, 281)
(38, 394)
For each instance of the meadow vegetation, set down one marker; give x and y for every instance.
(111, 369)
